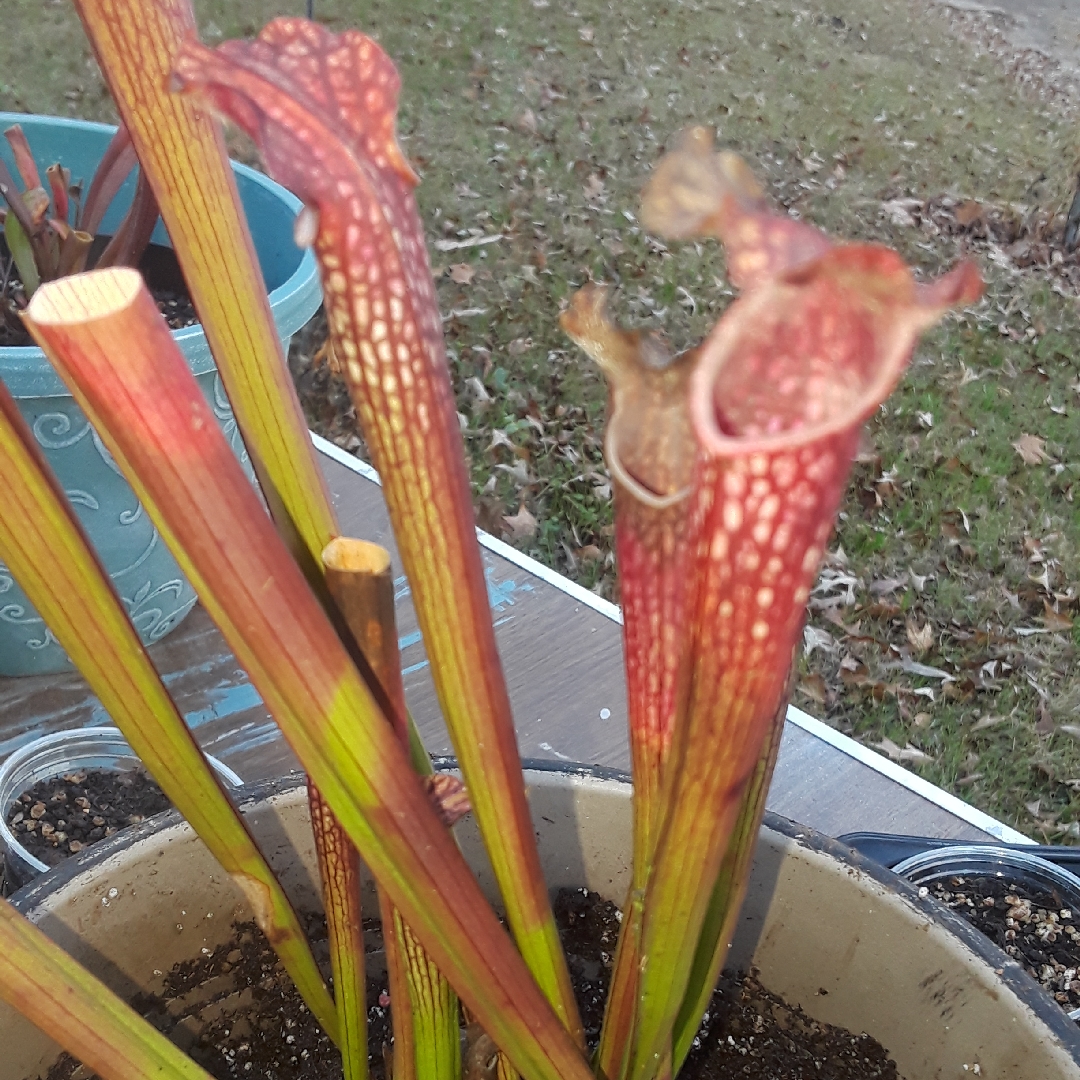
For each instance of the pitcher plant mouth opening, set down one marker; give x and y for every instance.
(804, 355)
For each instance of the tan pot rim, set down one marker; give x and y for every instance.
(1007, 970)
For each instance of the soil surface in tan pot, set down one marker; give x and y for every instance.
(237, 1014)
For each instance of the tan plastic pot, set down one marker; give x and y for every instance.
(849, 942)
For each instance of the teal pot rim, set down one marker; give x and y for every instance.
(1011, 974)
(28, 374)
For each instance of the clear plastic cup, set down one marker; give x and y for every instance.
(54, 755)
(986, 860)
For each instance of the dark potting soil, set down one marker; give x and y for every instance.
(1031, 924)
(159, 268)
(236, 1013)
(57, 818)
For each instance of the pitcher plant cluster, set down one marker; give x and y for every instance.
(49, 226)
(728, 459)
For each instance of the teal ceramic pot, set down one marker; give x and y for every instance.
(146, 576)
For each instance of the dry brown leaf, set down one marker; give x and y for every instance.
(462, 273)
(888, 585)
(526, 122)
(1032, 449)
(522, 525)
(1045, 724)
(968, 212)
(813, 686)
(921, 638)
(1054, 620)
(988, 722)
(518, 472)
(815, 638)
(909, 753)
(898, 211)
(594, 187)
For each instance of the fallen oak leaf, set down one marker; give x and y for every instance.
(1045, 724)
(813, 686)
(815, 638)
(518, 472)
(888, 585)
(921, 638)
(1054, 620)
(522, 525)
(1032, 449)
(462, 273)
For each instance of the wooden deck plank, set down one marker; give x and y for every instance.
(563, 663)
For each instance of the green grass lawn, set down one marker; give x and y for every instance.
(538, 122)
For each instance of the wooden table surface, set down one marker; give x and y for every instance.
(561, 649)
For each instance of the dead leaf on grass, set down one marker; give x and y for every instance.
(913, 667)
(594, 187)
(968, 212)
(813, 686)
(526, 122)
(518, 472)
(478, 390)
(919, 581)
(1032, 449)
(921, 638)
(1054, 620)
(462, 273)
(988, 722)
(815, 638)
(1045, 724)
(888, 585)
(522, 525)
(909, 753)
(898, 211)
